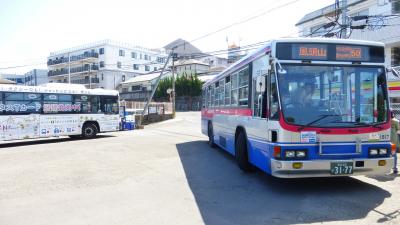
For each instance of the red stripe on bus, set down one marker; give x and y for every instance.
(394, 88)
(209, 113)
(331, 130)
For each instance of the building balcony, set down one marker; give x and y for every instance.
(86, 81)
(73, 70)
(73, 58)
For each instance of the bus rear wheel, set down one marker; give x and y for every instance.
(241, 153)
(89, 131)
(211, 142)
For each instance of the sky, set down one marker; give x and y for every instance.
(31, 29)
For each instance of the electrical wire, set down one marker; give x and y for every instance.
(239, 22)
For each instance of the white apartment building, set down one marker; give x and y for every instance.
(385, 26)
(104, 64)
(215, 61)
(36, 77)
(189, 67)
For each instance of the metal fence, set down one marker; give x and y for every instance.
(188, 103)
(396, 109)
(154, 107)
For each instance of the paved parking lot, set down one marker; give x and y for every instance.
(167, 174)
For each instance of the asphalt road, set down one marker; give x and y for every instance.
(167, 174)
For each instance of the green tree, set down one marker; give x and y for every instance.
(185, 86)
(162, 88)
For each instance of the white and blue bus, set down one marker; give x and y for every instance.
(56, 110)
(303, 108)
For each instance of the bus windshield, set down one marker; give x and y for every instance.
(332, 95)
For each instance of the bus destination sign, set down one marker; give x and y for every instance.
(352, 53)
(309, 51)
(330, 52)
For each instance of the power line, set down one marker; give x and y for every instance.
(21, 66)
(240, 22)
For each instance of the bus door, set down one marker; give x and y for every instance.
(259, 98)
(258, 124)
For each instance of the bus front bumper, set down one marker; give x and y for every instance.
(322, 168)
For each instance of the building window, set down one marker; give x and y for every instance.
(140, 55)
(119, 65)
(160, 60)
(395, 7)
(136, 88)
(146, 57)
(123, 78)
(135, 67)
(121, 53)
(149, 58)
(395, 56)
(101, 51)
(102, 76)
(155, 68)
(101, 64)
(134, 55)
(147, 68)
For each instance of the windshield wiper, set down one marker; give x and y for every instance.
(312, 122)
(369, 124)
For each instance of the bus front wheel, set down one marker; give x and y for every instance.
(89, 131)
(241, 153)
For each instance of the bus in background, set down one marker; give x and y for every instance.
(56, 110)
(303, 108)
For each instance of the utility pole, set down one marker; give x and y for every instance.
(344, 23)
(173, 83)
(154, 89)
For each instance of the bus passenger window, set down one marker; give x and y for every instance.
(109, 105)
(234, 88)
(20, 103)
(2, 106)
(95, 104)
(243, 87)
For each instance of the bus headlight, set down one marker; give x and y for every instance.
(301, 154)
(290, 154)
(295, 154)
(373, 152)
(383, 151)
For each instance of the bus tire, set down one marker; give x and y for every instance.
(89, 130)
(211, 142)
(241, 153)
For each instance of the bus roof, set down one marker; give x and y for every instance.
(268, 47)
(57, 89)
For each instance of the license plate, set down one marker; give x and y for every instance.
(339, 168)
